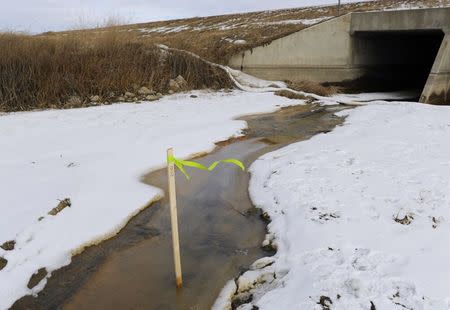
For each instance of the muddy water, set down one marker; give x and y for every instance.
(220, 231)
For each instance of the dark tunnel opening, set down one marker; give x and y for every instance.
(395, 60)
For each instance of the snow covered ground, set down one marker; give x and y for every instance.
(360, 216)
(95, 156)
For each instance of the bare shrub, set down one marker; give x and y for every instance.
(45, 71)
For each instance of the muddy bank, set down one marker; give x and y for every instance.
(220, 231)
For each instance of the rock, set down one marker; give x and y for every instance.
(325, 302)
(37, 277)
(95, 98)
(129, 95)
(144, 91)
(269, 244)
(225, 296)
(262, 262)
(151, 98)
(241, 299)
(8, 245)
(159, 95)
(3, 262)
(174, 87)
(181, 82)
(74, 101)
(120, 98)
(406, 220)
(250, 278)
(266, 217)
(248, 306)
(61, 206)
(171, 92)
(194, 96)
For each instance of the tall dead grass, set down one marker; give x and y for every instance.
(314, 88)
(45, 71)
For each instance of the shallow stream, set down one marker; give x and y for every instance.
(220, 230)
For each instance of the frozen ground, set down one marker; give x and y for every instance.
(360, 216)
(95, 156)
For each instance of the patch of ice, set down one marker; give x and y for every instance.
(374, 96)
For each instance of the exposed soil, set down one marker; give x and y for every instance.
(3, 262)
(8, 245)
(37, 277)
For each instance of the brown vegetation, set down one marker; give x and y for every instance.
(291, 95)
(47, 71)
(313, 88)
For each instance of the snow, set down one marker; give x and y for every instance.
(96, 156)
(306, 22)
(228, 25)
(250, 83)
(240, 42)
(334, 201)
(374, 96)
(264, 18)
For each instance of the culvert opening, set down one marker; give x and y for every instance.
(394, 60)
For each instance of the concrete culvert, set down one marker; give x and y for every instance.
(366, 51)
(393, 60)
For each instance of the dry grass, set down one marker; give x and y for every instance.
(45, 71)
(314, 88)
(291, 95)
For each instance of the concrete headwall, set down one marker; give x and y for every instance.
(437, 88)
(318, 53)
(402, 20)
(339, 50)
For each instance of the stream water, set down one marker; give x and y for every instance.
(220, 231)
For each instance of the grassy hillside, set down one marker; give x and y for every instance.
(217, 38)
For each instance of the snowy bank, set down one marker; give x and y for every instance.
(96, 156)
(360, 216)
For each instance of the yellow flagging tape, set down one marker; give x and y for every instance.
(181, 163)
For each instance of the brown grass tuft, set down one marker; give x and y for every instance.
(291, 95)
(314, 88)
(45, 71)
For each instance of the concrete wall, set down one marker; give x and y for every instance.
(317, 53)
(332, 51)
(437, 88)
(423, 19)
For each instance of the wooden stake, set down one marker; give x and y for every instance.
(174, 220)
